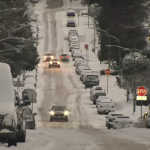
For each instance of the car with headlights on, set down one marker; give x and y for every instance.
(54, 62)
(47, 57)
(58, 112)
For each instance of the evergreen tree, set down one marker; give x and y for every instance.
(15, 28)
(124, 20)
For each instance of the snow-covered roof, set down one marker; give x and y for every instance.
(30, 80)
(6, 84)
(28, 86)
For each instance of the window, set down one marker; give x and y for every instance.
(98, 88)
(64, 54)
(58, 108)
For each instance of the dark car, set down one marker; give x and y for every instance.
(58, 112)
(96, 95)
(64, 57)
(91, 81)
(29, 117)
(71, 23)
(47, 57)
(54, 62)
(71, 14)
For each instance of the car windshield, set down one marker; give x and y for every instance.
(59, 108)
(48, 54)
(55, 59)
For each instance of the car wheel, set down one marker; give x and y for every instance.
(108, 127)
(12, 142)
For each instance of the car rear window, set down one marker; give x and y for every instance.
(64, 54)
(98, 88)
(123, 117)
(100, 94)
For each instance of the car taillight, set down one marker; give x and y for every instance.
(67, 56)
(61, 56)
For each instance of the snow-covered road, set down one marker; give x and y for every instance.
(86, 129)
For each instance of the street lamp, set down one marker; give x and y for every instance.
(130, 50)
(119, 52)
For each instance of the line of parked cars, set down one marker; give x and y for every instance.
(13, 112)
(105, 105)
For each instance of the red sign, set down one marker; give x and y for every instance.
(86, 46)
(107, 71)
(141, 91)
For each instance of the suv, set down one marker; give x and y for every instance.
(91, 81)
(54, 62)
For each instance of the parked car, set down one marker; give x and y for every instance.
(30, 74)
(110, 119)
(64, 57)
(30, 80)
(148, 120)
(95, 88)
(25, 90)
(102, 98)
(8, 115)
(87, 75)
(91, 81)
(72, 46)
(77, 60)
(81, 67)
(84, 12)
(70, 13)
(72, 31)
(105, 107)
(71, 23)
(97, 94)
(82, 63)
(29, 117)
(81, 71)
(121, 122)
(54, 62)
(77, 56)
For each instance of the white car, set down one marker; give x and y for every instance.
(95, 90)
(30, 74)
(81, 67)
(75, 50)
(122, 122)
(84, 69)
(104, 107)
(72, 31)
(71, 35)
(102, 98)
(81, 63)
(72, 46)
(77, 56)
(74, 38)
(77, 62)
(111, 118)
(76, 53)
(30, 80)
(74, 42)
(84, 77)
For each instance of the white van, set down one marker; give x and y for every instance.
(105, 107)
(8, 116)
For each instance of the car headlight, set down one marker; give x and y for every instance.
(66, 113)
(58, 62)
(45, 57)
(52, 57)
(52, 113)
(50, 62)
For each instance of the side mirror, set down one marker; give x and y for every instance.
(34, 113)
